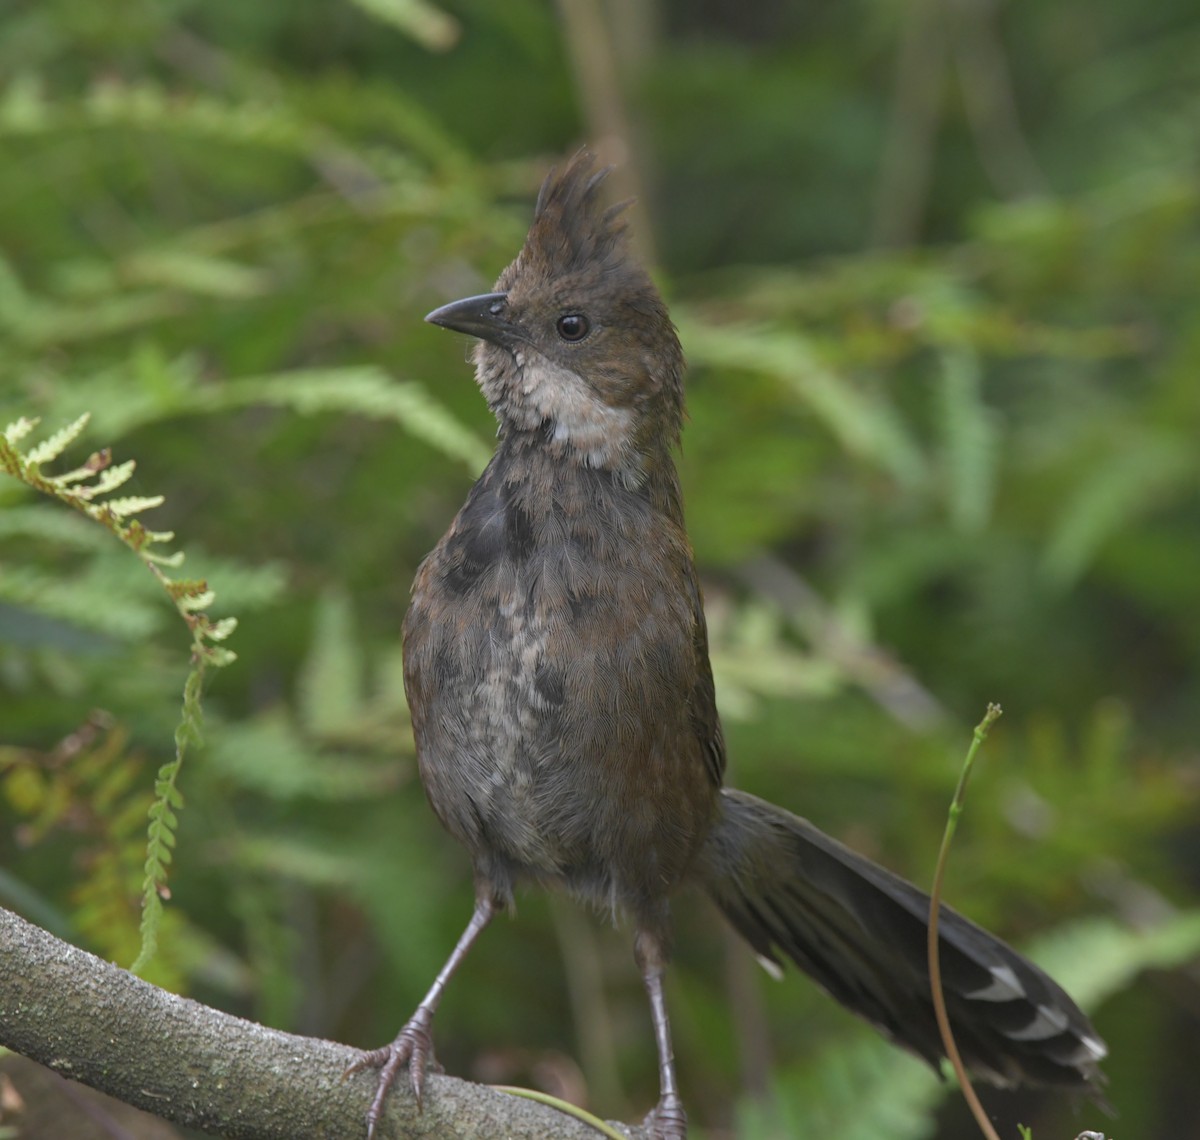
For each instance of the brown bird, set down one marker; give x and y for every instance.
(556, 666)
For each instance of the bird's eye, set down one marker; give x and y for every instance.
(573, 326)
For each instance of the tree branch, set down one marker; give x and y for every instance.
(199, 1067)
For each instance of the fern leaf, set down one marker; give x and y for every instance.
(220, 630)
(366, 391)
(969, 441)
(1099, 957)
(195, 273)
(429, 26)
(160, 833)
(163, 536)
(866, 427)
(190, 603)
(219, 657)
(110, 479)
(860, 1089)
(191, 598)
(53, 447)
(85, 600)
(170, 561)
(97, 462)
(19, 429)
(1113, 494)
(44, 521)
(331, 682)
(132, 505)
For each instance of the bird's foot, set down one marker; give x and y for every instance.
(667, 1120)
(412, 1047)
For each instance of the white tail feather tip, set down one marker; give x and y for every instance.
(1048, 1023)
(1004, 986)
(773, 968)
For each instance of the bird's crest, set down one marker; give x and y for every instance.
(573, 229)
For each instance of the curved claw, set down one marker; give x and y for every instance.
(413, 1047)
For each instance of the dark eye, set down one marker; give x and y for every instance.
(573, 326)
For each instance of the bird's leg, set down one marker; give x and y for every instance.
(667, 1121)
(413, 1046)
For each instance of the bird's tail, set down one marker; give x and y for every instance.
(860, 932)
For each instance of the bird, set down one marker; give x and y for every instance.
(557, 671)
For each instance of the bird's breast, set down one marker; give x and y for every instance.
(550, 657)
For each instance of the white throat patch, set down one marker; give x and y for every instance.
(597, 431)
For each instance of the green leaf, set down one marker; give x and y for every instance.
(191, 603)
(49, 522)
(19, 429)
(865, 426)
(195, 273)
(219, 657)
(132, 504)
(859, 1089)
(969, 441)
(363, 390)
(429, 26)
(53, 447)
(220, 630)
(110, 479)
(269, 757)
(332, 679)
(1110, 496)
(1098, 958)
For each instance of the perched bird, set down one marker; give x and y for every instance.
(556, 666)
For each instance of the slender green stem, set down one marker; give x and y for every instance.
(601, 1126)
(935, 902)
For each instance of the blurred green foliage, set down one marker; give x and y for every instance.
(937, 269)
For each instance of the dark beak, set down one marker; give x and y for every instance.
(482, 316)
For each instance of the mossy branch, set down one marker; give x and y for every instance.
(204, 1069)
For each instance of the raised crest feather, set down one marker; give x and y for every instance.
(573, 229)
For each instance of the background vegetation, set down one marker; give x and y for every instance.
(937, 269)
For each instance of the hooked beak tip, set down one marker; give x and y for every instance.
(481, 316)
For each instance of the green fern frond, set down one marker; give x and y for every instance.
(1144, 474)
(145, 106)
(18, 430)
(332, 682)
(274, 757)
(867, 427)
(859, 1089)
(193, 603)
(47, 522)
(194, 273)
(191, 598)
(429, 26)
(110, 479)
(969, 440)
(363, 390)
(220, 630)
(132, 505)
(52, 448)
(85, 600)
(168, 560)
(1096, 958)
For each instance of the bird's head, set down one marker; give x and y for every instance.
(576, 344)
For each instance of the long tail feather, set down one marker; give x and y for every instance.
(860, 932)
